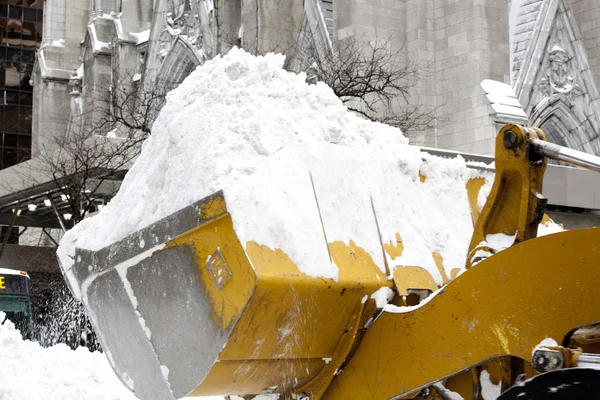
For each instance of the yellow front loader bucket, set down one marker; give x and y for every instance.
(201, 316)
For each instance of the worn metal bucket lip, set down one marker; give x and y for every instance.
(153, 236)
(90, 265)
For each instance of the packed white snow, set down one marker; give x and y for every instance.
(383, 296)
(546, 342)
(447, 393)
(500, 241)
(489, 390)
(31, 372)
(548, 228)
(286, 153)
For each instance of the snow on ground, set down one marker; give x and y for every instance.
(31, 372)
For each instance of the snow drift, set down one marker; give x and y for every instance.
(29, 371)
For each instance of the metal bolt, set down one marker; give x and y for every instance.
(546, 360)
(511, 141)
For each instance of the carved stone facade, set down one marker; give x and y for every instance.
(556, 83)
(559, 76)
(546, 50)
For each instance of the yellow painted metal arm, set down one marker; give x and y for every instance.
(506, 305)
(515, 205)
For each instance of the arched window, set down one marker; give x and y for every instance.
(564, 124)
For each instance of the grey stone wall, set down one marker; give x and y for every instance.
(273, 26)
(51, 110)
(229, 20)
(471, 44)
(135, 14)
(587, 14)
(96, 81)
(65, 24)
(420, 47)
(66, 20)
(461, 43)
(384, 19)
(250, 25)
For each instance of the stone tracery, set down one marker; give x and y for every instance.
(559, 77)
(184, 19)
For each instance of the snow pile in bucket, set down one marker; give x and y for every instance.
(29, 371)
(285, 154)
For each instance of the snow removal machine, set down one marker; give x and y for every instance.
(196, 312)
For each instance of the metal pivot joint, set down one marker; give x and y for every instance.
(511, 141)
(546, 360)
(515, 205)
(552, 358)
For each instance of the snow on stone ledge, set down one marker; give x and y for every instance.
(270, 142)
(98, 46)
(58, 43)
(505, 104)
(141, 37)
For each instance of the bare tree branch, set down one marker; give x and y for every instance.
(372, 79)
(100, 144)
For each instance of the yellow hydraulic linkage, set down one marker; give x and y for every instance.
(505, 306)
(515, 205)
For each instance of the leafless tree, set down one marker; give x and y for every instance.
(99, 146)
(372, 78)
(83, 167)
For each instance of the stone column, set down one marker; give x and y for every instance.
(587, 15)
(65, 24)
(420, 49)
(471, 44)
(273, 26)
